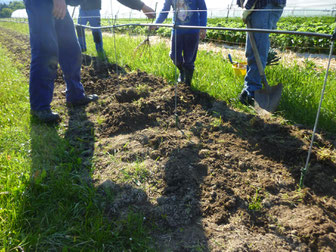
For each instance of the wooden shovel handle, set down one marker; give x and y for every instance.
(257, 56)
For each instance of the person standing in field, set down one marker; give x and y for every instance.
(53, 41)
(184, 42)
(89, 12)
(262, 14)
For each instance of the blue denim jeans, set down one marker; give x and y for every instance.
(186, 49)
(93, 18)
(52, 41)
(266, 18)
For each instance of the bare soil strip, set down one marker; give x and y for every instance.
(222, 180)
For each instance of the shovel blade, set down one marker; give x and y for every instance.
(268, 99)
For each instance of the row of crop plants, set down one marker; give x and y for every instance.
(297, 43)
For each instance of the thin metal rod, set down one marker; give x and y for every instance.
(304, 170)
(309, 34)
(176, 79)
(115, 48)
(111, 17)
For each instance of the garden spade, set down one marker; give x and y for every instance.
(266, 99)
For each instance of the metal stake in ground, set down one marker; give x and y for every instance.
(115, 46)
(176, 78)
(304, 170)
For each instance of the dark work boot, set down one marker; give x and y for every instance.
(84, 101)
(188, 75)
(246, 99)
(46, 116)
(86, 60)
(181, 75)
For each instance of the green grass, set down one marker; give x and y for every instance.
(46, 199)
(19, 27)
(14, 150)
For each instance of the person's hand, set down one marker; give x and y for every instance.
(148, 11)
(59, 9)
(203, 33)
(245, 14)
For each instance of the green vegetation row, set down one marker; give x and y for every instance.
(295, 43)
(321, 24)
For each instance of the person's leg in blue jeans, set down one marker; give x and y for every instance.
(190, 48)
(94, 21)
(52, 41)
(185, 55)
(82, 20)
(266, 19)
(44, 53)
(176, 53)
(69, 58)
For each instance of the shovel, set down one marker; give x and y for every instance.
(266, 99)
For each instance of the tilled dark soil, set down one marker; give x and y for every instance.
(208, 178)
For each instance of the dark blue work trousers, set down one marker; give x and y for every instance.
(267, 18)
(184, 51)
(52, 41)
(93, 18)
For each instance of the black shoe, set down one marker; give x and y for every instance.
(246, 99)
(84, 101)
(188, 75)
(181, 75)
(46, 116)
(86, 60)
